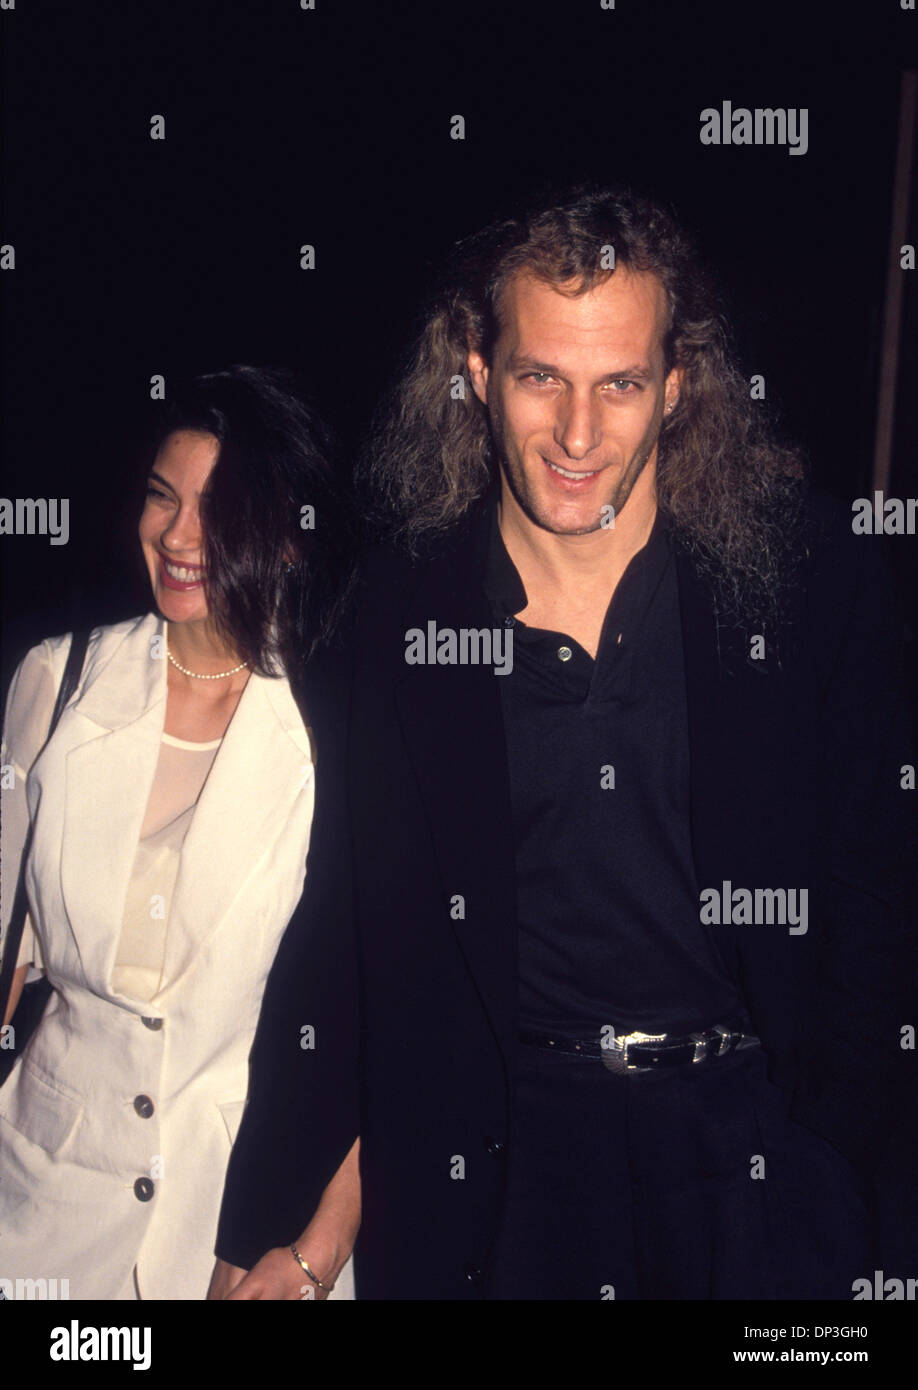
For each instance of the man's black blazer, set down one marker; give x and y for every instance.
(795, 782)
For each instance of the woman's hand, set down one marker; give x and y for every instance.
(224, 1279)
(325, 1245)
(278, 1275)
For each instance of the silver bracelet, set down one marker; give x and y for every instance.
(306, 1270)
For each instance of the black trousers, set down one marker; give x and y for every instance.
(689, 1183)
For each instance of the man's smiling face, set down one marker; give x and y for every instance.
(576, 391)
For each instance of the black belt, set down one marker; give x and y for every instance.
(633, 1052)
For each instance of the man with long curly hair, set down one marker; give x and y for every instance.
(605, 958)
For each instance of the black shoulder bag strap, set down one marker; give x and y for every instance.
(75, 658)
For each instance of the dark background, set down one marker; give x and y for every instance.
(332, 127)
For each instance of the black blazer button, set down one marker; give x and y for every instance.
(471, 1272)
(154, 1024)
(144, 1106)
(495, 1147)
(143, 1189)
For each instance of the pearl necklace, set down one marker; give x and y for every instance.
(197, 674)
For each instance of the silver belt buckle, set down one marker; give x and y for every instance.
(704, 1041)
(718, 1040)
(727, 1036)
(615, 1052)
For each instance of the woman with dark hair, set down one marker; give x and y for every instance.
(170, 816)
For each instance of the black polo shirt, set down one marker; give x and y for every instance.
(608, 905)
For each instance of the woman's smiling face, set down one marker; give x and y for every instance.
(170, 525)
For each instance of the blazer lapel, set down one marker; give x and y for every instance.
(745, 765)
(107, 784)
(452, 725)
(260, 769)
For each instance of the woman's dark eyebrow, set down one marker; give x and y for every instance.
(160, 479)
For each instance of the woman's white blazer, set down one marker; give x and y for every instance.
(114, 1098)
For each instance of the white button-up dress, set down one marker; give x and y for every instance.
(116, 1123)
